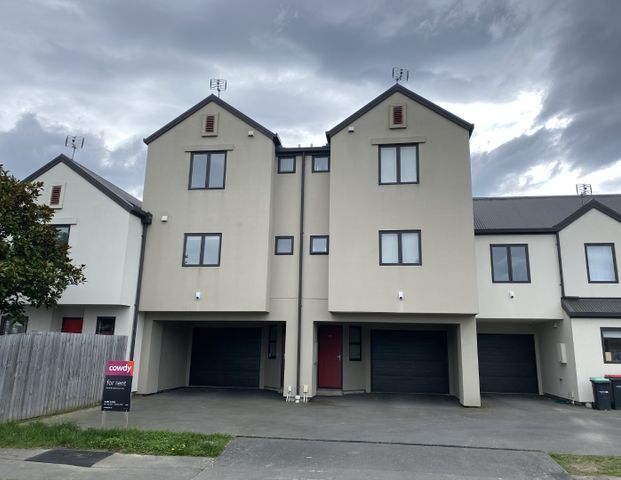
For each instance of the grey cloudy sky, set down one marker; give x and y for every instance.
(540, 79)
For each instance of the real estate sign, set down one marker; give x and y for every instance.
(117, 388)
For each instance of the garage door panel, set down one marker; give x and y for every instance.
(409, 361)
(507, 363)
(226, 357)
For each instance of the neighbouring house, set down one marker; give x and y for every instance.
(104, 227)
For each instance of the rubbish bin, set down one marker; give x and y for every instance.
(601, 393)
(615, 386)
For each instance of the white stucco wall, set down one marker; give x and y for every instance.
(589, 353)
(538, 299)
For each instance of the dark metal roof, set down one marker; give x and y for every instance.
(577, 307)
(121, 197)
(398, 88)
(323, 150)
(221, 103)
(538, 214)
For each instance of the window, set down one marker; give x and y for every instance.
(105, 325)
(202, 250)
(207, 170)
(319, 245)
(398, 164)
(510, 264)
(601, 263)
(62, 231)
(611, 343)
(271, 341)
(355, 344)
(286, 164)
(8, 326)
(321, 164)
(72, 325)
(283, 246)
(400, 247)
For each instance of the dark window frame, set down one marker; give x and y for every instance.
(314, 170)
(614, 261)
(207, 170)
(284, 172)
(508, 246)
(272, 341)
(105, 318)
(202, 250)
(400, 248)
(359, 343)
(398, 146)
(601, 333)
(284, 237)
(310, 245)
(68, 227)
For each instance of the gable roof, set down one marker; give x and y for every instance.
(538, 214)
(218, 101)
(577, 307)
(398, 88)
(121, 197)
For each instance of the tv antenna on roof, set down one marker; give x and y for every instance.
(584, 189)
(74, 142)
(400, 74)
(218, 84)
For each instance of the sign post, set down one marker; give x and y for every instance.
(117, 389)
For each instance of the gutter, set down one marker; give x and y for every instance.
(300, 271)
(560, 263)
(146, 221)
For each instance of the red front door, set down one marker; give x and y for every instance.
(330, 352)
(72, 325)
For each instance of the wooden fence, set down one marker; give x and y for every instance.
(48, 372)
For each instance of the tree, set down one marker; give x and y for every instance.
(35, 268)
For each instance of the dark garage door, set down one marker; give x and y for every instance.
(409, 361)
(226, 357)
(507, 363)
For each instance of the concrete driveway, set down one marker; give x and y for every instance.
(503, 422)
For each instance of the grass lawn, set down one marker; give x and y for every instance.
(124, 440)
(589, 465)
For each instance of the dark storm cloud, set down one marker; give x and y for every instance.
(119, 70)
(29, 145)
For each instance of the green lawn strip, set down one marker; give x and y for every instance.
(589, 465)
(124, 440)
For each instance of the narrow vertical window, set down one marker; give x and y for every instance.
(272, 341)
(355, 344)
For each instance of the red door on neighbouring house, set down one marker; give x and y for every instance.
(330, 339)
(72, 325)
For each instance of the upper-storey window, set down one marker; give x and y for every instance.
(202, 250)
(601, 263)
(400, 247)
(398, 164)
(510, 263)
(321, 163)
(283, 245)
(207, 170)
(319, 244)
(286, 164)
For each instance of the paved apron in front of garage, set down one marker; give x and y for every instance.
(507, 422)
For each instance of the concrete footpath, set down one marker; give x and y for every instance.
(265, 459)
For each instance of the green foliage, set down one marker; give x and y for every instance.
(124, 440)
(35, 267)
(591, 465)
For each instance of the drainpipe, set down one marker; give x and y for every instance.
(300, 269)
(146, 221)
(560, 264)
